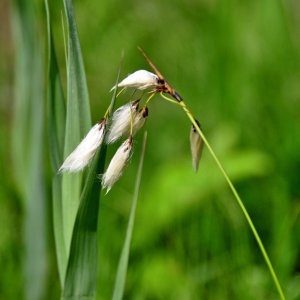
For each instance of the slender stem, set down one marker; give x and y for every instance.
(107, 113)
(120, 92)
(239, 201)
(169, 99)
(131, 118)
(149, 98)
(123, 262)
(133, 93)
(237, 197)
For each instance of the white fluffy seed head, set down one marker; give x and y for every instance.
(120, 121)
(140, 79)
(196, 147)
(117, 165)
(85, 151)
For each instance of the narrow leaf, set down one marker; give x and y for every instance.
(80, 282)
(56, 114)
(123, 263)
(78, 122)
(28, 144)
(81, 276)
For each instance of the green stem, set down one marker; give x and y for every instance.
(239, 201)
(120, 92)
(149, 98)
(131, 118)
(169, 99)
(237, 197)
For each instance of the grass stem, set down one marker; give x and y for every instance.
(236, 196)
(149, 98)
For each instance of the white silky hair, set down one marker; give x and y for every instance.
(140, 79)
(120, 121)
(197, 144)
(85, 151)
(117, 165)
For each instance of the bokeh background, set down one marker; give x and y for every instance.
(236, 63)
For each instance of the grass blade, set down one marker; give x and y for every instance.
(123, 263)
(80, 282)
(56, 104)
(78, 122)
(56, 116)
(28, 144)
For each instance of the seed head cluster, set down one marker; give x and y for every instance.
(125, 122)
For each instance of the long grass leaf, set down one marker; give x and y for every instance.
(28, 144)
(123, 263)
(64, 38)
(78, 122)
(22, 93)
(56, 115)
(81, 273)
(80, 282)
(35, 227)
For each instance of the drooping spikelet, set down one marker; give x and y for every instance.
(85, 151)
(117, 165)
(140, 79)
(120, 121)
(196, 146)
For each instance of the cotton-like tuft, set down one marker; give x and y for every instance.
(85, 151)
(117, 165)
(120, 121)
(141, 80)
(196, 146)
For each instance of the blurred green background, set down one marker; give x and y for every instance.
(236, 63)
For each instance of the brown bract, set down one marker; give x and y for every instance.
(163, 85)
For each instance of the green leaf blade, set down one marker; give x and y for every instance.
(56, 117)
(81, 275)
(123, 262)
(28, 145)
(78, 122)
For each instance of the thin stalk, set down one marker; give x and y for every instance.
(131, 118)
(133, 93)
(149, 98)
(169, 99)
(120, 92)
(123, 262)
(236, 195)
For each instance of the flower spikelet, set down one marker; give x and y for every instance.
(196, 146)
(120, 123)
(117, 165)
(140, 79)
(85, 151)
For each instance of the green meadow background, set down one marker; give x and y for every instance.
(236, 64)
